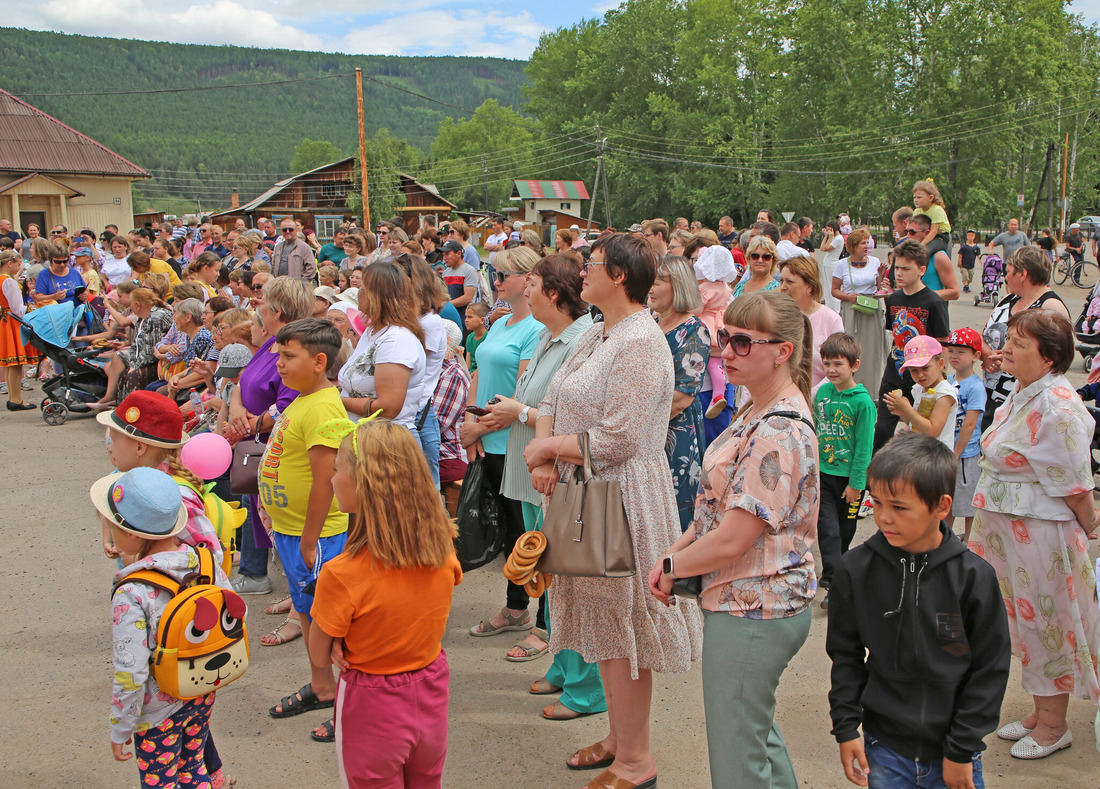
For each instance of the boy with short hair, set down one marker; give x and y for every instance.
(921, 658)
(845, 415)
(296, 483)
(963, 349)
(912, 309)
(475, 325)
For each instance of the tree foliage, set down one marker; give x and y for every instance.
(309, 154)
(386, 156)
(822, 106)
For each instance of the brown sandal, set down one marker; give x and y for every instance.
(608, 780)
(559, 712)
(591, 758)
(276, 635)
(543, 687)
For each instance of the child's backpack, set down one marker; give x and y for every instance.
(202, 642)
(225, 516)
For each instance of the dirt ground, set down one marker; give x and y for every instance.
(53, 730)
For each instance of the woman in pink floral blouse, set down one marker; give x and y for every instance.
(755, 522)
(1035, 515)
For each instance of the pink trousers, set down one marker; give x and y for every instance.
(391, 730)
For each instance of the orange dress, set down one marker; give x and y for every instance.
(12, 350)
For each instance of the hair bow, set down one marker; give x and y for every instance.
(337, 429)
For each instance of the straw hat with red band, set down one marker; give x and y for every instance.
(147, 417)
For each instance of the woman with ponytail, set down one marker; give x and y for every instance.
(755, 524)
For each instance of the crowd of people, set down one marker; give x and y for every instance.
(748, 398)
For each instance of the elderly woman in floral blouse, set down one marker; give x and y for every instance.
(1035, 516)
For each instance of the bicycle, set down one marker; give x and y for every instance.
(1084, 273)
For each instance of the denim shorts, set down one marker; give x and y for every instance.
(891, 770)
(298, 575)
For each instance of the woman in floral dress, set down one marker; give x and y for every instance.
(673, 297)
(1035, 515)
(615, 386)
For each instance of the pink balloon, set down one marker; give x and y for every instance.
(208, 455)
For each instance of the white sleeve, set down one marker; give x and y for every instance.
(14, 297)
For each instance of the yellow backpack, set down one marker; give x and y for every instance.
(225, 516)
(202, 642)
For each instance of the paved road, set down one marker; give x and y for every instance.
(53, 732)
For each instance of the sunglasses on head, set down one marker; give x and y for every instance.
(760, 256)
(742, 343)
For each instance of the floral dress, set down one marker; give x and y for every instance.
(1035, 454)
(768, 467)
(617, 389)
(690, 346)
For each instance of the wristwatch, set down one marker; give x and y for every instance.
(523, 415)
(666, 566)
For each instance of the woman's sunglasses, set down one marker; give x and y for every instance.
(760, 256)
(742, 343)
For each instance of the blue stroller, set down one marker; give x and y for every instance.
(80, 378)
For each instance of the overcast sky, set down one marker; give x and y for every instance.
(412, 27)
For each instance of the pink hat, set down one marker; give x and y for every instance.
(920, 350)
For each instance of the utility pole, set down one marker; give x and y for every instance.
(595, 183)
(606, 196)
(362, 148)
(1065, 164)
(1022, 180)
(1046, 178)
(485, 180)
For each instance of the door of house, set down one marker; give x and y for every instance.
(33, 218)
(326, 225)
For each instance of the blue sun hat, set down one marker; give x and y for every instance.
(144, 502)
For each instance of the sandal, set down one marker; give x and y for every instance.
(305, 700)
(220, 780)
(276, 636)
(278, 608)
(559, 712)
(531, 652)
(543, 687)
(608, 780)
(330, 732)
(591, 758)
(486, 628)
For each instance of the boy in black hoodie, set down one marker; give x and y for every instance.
(918, 633)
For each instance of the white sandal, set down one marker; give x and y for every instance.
(1027, 748)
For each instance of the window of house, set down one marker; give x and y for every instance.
(566, 206)
(326, 226)
(334, 189)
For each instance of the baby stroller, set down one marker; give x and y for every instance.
(1087, 329)
(993, 271)
(80, 379)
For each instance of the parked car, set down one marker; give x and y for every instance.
(1089, 224)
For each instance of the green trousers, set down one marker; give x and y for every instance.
(581, 687)
(743, 660)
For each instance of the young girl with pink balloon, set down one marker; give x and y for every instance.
(146, 429)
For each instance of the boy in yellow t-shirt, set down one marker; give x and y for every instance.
(296, 484)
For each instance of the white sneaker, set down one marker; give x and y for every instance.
(246, 584)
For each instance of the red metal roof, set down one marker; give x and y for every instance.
(32, 141)
(539, 190)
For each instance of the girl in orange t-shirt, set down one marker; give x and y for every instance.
(392, 696)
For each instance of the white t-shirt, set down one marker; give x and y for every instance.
(862, 279)
(787, 250)
(391, 345)
(832, 253)
(925, 400)
(496, 238)
(435, 348)
(115, 270)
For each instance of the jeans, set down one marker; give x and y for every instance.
(890, 770)
(253, 559)
(429, 440)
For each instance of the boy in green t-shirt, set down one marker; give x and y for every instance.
(475, 325)
(846, 417)
(296, 484)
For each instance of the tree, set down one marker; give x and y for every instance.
(310, 154)
(386, 157)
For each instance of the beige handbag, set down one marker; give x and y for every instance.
(586, 530)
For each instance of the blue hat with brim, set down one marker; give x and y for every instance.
(144, 502)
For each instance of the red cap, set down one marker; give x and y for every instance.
(967, 338)
(149, 417)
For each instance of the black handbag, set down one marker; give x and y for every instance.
(480, 533)
(244, 474)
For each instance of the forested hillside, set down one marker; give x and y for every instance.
(193, 138)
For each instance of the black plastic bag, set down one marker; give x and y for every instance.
(480, 533)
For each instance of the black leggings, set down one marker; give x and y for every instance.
(511, 520)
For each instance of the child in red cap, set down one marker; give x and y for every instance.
(963, 348)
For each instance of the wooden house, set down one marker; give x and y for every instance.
(421, 200)
(317, 198)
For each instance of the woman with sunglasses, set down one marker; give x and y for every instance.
(763, 262)
(58, 282)
(755, 524)
(614, 387)
(860, 274)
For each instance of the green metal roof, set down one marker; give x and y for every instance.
(549, 190)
